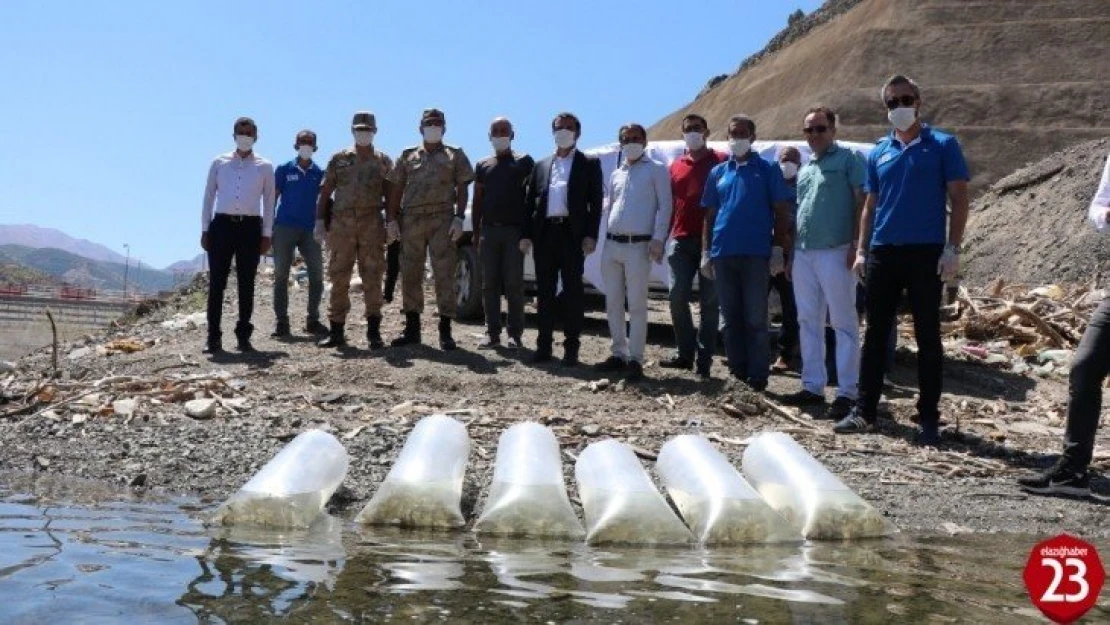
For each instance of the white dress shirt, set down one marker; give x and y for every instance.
(640, 199)
(236, 186)
(1101, 203)
(557, 185)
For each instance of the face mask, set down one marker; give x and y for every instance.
(305, 152)
(432, 134)
(500, 144)
(632, 151)
(694, 140)
(740, 147)
(789, 169)
(364, 138)
(244, 142)
(902, 117)
(564, 138)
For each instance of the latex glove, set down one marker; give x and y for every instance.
(655, 251)
(949, 264)
(320, 232)
(859, 266)
(456, 229)
(589, 244)
(392, 232)
(526, 246)
(707, 266)
(778, 260)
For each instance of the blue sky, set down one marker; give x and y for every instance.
(114, 110)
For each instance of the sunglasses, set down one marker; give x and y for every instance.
(815, 130)
(906, 100)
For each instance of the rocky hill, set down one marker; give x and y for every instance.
(1017, 80)
(74, 269)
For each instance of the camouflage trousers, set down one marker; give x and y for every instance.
(355, 237)
(421, 234)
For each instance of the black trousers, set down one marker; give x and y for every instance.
(558, 257)
(1089, 367)
(892, 269)
(502, 273)
(239, 239)
(788, 334)
(392, 268)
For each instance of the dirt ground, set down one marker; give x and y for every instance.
(1000, 425)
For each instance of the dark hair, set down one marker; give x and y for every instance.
(306, 133)
(830, 115)
(245, 121)
(695, 117)
(899, 79)
(743, 119)
(570, 116)
(632, 126)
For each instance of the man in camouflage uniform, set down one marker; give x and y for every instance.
(429, 194)
(357, 176)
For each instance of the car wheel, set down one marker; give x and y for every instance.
(468, 284)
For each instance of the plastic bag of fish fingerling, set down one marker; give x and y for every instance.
(620, 502)
(807, 494)
(528, 496)
(290, 490)
(424, 486)
(715, 500)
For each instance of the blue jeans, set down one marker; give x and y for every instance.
(742, 283)
(685, 261)
(285, 240)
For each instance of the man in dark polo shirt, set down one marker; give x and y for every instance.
(497, 214)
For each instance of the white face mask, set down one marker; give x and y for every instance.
(564, 138)
(789, 169)
(500, 144)
(740, 147)
(902, 117)
(632, 151)
(694, 140)
(305, 152)
(432, 134)
(364, 138)
(244, 143)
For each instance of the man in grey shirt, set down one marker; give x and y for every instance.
(639, 201)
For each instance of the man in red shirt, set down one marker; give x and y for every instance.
(688, 175)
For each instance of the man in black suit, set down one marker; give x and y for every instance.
(562, 216)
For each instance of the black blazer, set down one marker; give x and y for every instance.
(585, 194)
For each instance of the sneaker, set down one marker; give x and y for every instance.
(1062, 479)
(610, 364)
(676, 362)
(781, 365)
(635, 372)
(803, 398)
(489, 342)
(316, 328)
(854, 423)
(514, 342)
(840, 408)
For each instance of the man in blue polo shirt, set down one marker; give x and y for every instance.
(747, 203)
(904, 245)
(298, 185)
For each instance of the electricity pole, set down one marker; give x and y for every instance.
(125, 266)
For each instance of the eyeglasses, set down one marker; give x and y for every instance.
(906, 100)
(815, 130)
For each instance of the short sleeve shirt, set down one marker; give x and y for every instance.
(357, 182)
(826, 199)
(744, 195)
(688, 178)
(297, 189)
(430, 178)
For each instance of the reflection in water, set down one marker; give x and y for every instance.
(99, 555)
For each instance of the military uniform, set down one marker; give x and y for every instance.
(429, 180)
(357, 231)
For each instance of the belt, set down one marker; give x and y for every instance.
(558, 220)
(236, 218)
(628, 238)
(501, 224)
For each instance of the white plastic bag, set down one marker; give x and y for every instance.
(528, 496)
(619, 500)
(424, 486)
(292, 488)
(807, 494)
(717, 502)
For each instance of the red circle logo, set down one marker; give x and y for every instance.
(1064, 577)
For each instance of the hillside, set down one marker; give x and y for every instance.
(191, 266)
(67, 267)
(28, 235)
(1017, 80)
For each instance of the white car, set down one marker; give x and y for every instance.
(468, 274)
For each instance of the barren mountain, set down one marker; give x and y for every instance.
(28, 235)
(1016, 79)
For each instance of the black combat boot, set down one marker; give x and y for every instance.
(446, 343)
(411, 335)
(335, 336)
(374, 332)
